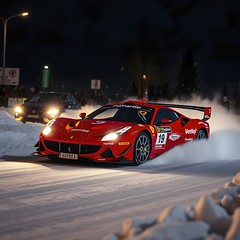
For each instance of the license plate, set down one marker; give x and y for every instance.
(33, 116)
(68, 156)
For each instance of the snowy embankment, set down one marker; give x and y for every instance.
(214, 217)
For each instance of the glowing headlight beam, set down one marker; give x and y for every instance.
(114, 135)
(53, 111)
(48, 128)
(18, 109)
(110, 137)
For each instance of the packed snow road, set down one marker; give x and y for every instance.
(43, 199)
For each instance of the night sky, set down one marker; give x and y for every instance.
(119, 40)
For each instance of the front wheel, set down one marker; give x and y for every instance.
(201, 135)
(142, 148)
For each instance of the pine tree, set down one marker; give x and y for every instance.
(187, 84)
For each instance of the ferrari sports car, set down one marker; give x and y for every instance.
(131, 131)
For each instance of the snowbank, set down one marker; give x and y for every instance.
(214, 217)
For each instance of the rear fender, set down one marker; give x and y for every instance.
(207, 113)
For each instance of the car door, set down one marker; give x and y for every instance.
(169, 130)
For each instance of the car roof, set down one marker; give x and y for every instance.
(144, 104)
(54, 93)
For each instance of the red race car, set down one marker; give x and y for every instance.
(131, 131)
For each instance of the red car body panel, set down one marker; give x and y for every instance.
(84, 137)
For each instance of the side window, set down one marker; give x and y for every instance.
(35, 99)
(165, 113)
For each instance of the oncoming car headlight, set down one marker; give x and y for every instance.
(18, 109)
(48, 128)
(114, 135)
(53, 112)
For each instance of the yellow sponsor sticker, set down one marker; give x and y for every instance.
(143, 112)
(123, 143)
(152, 129)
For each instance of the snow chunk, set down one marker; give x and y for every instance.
(234, 230)
(134, 227)
(232, 191)
(175, 231)
(226, 202)
(172, 214)
(236, 179)
(214, 237)
(206, 210)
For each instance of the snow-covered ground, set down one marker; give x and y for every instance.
(215, 216)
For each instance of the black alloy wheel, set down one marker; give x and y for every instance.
(201, 135)
(142, 148)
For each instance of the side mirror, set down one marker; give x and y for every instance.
(82, 115)
(166, 121)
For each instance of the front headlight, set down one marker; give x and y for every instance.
(48, 128)
(18, 109)
(53, 112)
(114, 135)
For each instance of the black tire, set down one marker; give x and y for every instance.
(201, 135)
(142, 148)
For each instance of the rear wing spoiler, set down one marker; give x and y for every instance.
(206, 110)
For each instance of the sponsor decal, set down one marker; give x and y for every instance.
(159, 146)
(79, 130)
(126, 106)
(174, 137)
(123, 143)
(152, 129)
(108, 143)
(164, 129)
(99, 122)
(188, 139)
(142, 114)
(203, 123)
(190, 131)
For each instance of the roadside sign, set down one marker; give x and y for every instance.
(11, 76)
(95, 84)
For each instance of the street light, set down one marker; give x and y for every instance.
(144, 87)
(5, 21)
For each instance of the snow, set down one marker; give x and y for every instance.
(215, 216)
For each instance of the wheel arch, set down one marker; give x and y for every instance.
(149, 135)
(204, 129)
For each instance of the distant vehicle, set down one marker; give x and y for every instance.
(131, 131)
(45, 106)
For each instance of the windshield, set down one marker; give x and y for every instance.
(124, 113)
(43, 98)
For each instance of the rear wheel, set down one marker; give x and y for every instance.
(201, 135)
(142, 148)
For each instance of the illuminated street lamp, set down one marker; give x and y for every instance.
(5, 22)
(145, 87)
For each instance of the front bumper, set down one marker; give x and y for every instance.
(99, 153)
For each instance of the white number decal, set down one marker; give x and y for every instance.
(161, 138)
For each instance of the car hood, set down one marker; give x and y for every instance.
(89, 129)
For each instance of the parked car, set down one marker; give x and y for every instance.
(45, 106)
(131, 131)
